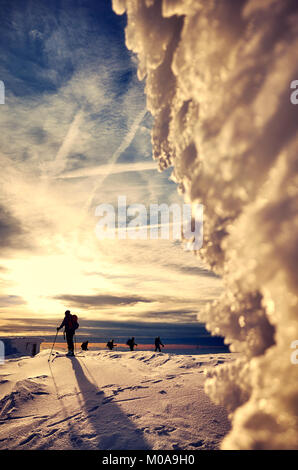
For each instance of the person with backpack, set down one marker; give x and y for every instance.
(131, 343)
(158, 343)
(70, 324)
(84, 346)
(111, 345)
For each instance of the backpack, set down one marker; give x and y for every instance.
(73, 322)
(128, 342)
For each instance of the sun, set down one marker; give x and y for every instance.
(39, 280)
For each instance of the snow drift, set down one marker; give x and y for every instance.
(218, 77)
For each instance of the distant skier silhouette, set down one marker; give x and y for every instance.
(158, 343)
(111, 345)
(84, 346)
(70, 324)
(131, 343)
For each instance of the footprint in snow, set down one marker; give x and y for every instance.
(163, 430)
(152, 381)
(94, 408)
(38, 377)
(197, 444)
(107, 400)
(28, 439)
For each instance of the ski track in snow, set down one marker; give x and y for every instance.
(96, 401)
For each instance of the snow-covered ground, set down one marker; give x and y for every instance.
(110, 400)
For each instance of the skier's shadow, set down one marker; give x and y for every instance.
(111, 429)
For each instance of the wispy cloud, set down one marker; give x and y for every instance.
(13, 235)
(106, 170)
(113, 159)
(11, 300)
(100, 300)
(68, 143)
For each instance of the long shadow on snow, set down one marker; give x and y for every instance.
(111, 428)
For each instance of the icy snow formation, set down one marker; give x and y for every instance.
(218, 76)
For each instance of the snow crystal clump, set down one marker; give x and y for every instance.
(218, 77)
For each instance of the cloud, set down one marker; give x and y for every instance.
(97, 331)
(11, 300)
(12, 233)
(67, 144)
(194, 270)
(122, 147)
(69, 125)
(172, 315)
(106, 170)
(100, 300)
(27, 325)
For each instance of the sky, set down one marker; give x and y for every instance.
(76, 134)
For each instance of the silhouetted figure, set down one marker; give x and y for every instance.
(70, 324)
(131, 343)
(111, 345)
(158, 343)
(84, 346)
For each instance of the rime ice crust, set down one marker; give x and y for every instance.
(218, 80)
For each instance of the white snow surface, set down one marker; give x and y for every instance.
(110, 401)
(218, 76)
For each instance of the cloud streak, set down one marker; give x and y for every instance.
(101, 300)
(68, 142)
(122, 147)
(106, 170)
(96, 331)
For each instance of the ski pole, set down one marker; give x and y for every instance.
(53, 346)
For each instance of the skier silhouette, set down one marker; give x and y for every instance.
(131, 343)
(84, 346)
(111, 345)
(158, 343)
(70, 324)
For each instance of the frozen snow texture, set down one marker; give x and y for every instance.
(218, 77)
